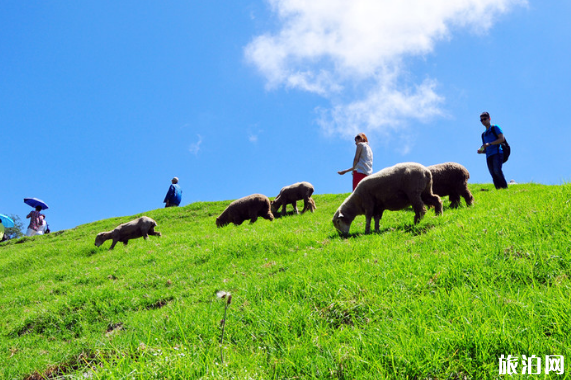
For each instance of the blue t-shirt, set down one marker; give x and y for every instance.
(174, 195)
(490, 137)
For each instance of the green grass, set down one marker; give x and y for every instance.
(443, 299)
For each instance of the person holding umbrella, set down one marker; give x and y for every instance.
(35, 216)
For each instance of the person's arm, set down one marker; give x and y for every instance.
(29, 215)
(500, 140)
(169, 194)
(355, 160)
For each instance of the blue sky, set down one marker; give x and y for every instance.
(103, 102)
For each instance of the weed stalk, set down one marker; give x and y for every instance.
(228, 297)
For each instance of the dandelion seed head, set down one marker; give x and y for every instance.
(222, 294)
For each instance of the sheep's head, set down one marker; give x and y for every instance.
(99, 239)
(341, 223)
(220, 223)
(312, 206)
(274, 207)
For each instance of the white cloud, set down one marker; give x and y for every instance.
(253, 133)
(195, 147)
(340, 49)
(383, 106)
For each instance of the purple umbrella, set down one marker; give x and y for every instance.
(36, 202)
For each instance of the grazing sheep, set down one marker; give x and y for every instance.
(250, 207)
(293, 193)
(451, 179)
(392, 188)
(140, 227)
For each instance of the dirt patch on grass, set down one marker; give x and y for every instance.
(113, 328)
(159, 304)
(83, 360)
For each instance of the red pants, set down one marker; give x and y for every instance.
(357, 177)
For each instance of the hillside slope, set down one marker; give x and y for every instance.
(445, 298)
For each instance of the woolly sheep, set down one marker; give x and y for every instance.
(140, 227)
(392, 188)
(451, 179)
(293, 193)
(250, 207)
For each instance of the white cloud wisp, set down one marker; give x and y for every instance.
(194, 148)
(341, 49)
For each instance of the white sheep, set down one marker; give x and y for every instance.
(293, 193)
(451, 179)
(140, 227)
(250, 207)
(392, 188)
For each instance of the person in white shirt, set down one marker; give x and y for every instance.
(363, 161)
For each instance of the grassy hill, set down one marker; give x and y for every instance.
(443, 299)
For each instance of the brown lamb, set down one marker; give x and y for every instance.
(293, 193)
(451, 179)
(140, 227)
(250, 207)
(392, 188)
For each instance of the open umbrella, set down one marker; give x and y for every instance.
(7, 221)
(36, 202)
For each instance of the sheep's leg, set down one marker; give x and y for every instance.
(253, 219)
(305, 204)
(418, 207)
(454, 200)
(125, 242)
(368, 217)
(294, 204)
(284, 206)
(378, 217)
(113, 244)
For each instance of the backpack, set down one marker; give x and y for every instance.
(505, 146)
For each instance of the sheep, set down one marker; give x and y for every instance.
(451, 179)
(293, 193)
(392, 188)
(250, 207)
(140, 227)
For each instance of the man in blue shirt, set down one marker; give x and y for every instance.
(174, 195)
(492, 138)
